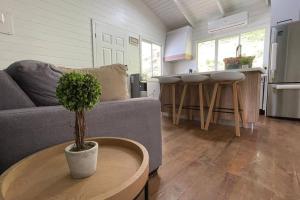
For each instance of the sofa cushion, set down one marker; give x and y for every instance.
(12, 96)
(37, 79)
(113, 80)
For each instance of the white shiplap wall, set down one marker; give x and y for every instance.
(259, 16)
(59, 31)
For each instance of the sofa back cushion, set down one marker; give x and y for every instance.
(113, 80)
(37, 79)
(11, 95)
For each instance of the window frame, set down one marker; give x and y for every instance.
(216, 39)
(141, 54)
(197, 51)
(228, 36)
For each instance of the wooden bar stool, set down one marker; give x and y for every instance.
(169, 81)
(188, 80)
(232, 79)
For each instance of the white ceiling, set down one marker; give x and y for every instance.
(168, 12)
(176, 13)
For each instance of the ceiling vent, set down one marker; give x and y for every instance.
(225, 23)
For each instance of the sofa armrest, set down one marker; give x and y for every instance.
(25, 131)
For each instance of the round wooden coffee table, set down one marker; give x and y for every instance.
(122, 173)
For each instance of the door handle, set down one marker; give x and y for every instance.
(287, 87)
(284, 21)
(274, 56)
(273, 59)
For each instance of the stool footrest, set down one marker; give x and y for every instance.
(193, 107)
(217, 111)
(220, 108)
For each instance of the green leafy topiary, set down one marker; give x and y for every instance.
(78, 92)
(246, 60)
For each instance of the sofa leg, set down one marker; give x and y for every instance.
(153, 173)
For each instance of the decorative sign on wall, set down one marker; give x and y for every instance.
(133, 41)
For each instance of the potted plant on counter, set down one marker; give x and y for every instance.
(78, 93)
(242, 62)
(232, 62)
(246, 61)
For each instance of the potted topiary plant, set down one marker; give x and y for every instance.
(78, 93)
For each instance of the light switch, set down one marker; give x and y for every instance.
(6, 23)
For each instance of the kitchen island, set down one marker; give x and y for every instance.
(250, 90)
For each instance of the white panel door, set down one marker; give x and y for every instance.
(111, 45)
(107, 56)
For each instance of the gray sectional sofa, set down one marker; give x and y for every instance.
(26, 128)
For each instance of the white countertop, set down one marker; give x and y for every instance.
(256, 69)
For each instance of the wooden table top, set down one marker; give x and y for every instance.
(122, 172)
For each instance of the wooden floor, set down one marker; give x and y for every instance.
(263, 165)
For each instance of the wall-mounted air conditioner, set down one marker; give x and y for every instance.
(229, 22)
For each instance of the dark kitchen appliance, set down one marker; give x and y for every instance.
(138, 88)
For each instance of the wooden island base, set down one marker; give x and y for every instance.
(250, 90)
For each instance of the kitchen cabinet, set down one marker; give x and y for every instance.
(153, 89)
(285, 11)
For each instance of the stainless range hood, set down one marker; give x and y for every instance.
(179, 44)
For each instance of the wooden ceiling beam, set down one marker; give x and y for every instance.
(184, 13)
(221, 9)
(268, 2)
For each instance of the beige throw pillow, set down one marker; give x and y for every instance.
(113, 79)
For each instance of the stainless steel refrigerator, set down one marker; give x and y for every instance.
(284, 72)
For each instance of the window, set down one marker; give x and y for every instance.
(156, 60)
(211, 53)
(253, 45)
(206, 56)
(226, 48)
(151, 60)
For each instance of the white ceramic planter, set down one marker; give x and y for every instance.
(82, 164)
(245, 66)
